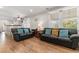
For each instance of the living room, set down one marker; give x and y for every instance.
(39, 29)
(42, 29)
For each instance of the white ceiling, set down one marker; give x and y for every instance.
(14, 11)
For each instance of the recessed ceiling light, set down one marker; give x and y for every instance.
(31, 10)
(1, 6)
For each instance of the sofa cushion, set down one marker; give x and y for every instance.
(26, 31)
(46, 35)
(63, 33)
(55, 32)
(65, 39)
(20, 31)
(22, 34)
(48, 31)
(74, 36)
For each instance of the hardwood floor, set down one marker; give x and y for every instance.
(32, 45)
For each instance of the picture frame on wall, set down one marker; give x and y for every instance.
(70, 23)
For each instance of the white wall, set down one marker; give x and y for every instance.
(63, 15)
(3, 21)
(43, 20)
(78, 19)
(26, 23)
(46, 20)
(40, 20)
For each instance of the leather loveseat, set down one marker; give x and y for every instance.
(71, 41)
(21, 33)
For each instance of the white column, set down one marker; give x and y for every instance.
(78, 26)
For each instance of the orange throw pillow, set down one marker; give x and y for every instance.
(55, 32)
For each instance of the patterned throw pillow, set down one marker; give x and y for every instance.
(26, 31)
(63, 33)
(48, 31)
(20, 31)
(55, 32)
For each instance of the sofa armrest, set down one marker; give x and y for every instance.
(75, 39)
(74, 36)
(16, 36)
